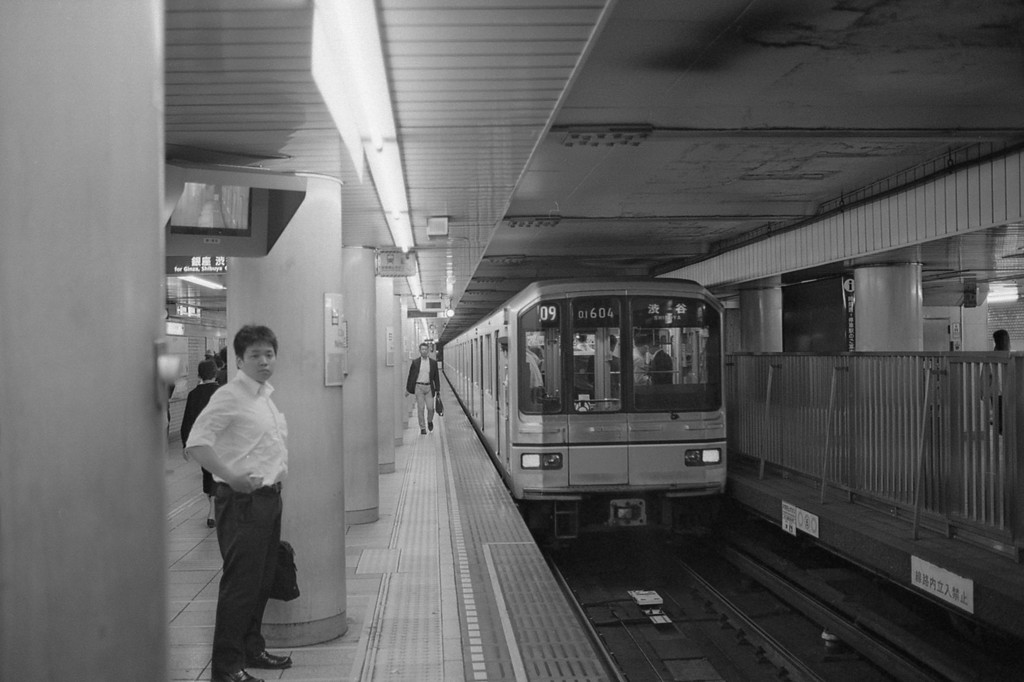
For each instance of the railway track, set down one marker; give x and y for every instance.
(686, 610)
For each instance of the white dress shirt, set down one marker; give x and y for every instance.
(245, 429)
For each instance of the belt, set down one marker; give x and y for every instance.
(422, 383)
(265, 490)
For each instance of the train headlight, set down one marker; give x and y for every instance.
(695, 458)
(541, 460)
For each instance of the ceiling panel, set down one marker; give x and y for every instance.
(742, 119)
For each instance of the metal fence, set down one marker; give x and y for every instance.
(928, 434)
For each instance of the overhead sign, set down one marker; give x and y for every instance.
(421, 313)
(394, 263)
(197, 265)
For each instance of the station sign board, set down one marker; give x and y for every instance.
(196, 265)
(395, 263)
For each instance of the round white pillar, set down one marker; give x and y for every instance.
(888, 308)
(387, 352)
(362, 487)
(285, 291)
(398, 390)
(83, 525)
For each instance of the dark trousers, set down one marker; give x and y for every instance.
(248, 531)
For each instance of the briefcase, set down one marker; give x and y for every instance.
(286, 584)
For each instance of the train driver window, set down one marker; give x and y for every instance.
(540, 359)
(597, 370)
(675, 354)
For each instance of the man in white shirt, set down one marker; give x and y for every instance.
(241, 438)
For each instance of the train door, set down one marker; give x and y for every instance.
(598, 429)
(502, 417)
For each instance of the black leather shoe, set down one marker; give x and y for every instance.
(268, 660)
(423, 432)
(240, 676)
(430, 425)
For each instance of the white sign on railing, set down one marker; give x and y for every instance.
(938, 582)
(794, 518)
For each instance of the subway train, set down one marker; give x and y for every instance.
(600, 402)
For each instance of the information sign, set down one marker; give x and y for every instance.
(938, 582)
(395, 263)
(794, 518)
(197, 265)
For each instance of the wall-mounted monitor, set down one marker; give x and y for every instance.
(228, 212)
(212, 210)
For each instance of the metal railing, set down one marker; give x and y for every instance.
(932, 435)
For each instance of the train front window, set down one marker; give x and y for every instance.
(675, 354)
(597, 369)
(540, 358)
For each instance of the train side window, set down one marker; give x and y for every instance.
(597, 368)
(540, 358)
(675, 354)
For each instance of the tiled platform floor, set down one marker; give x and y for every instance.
(413, 527)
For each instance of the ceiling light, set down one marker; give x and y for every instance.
(202, 282)
(348, 67)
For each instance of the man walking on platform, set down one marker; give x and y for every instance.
(424, 382)
(241, 438)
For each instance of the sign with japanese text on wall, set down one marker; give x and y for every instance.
(197, 265)
(395, 263)
(849, 299)
(794, 518)
(938, 582)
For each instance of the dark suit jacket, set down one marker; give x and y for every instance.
(414, 372)
(197, 399)
(660, 368)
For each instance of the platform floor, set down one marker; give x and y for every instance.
(447, 585)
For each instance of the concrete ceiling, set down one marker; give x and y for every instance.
(623, 138)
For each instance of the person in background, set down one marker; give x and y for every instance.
(241, 438)
(197, 399)
(1001, 338)
(222, 365)
(661, 366)
(424, 382)
(641, 346)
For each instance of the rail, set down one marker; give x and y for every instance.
(932, 436)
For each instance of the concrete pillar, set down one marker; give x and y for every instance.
(387, 352)
(362, 488)
(761, 317)
(285, 291)
(888, 308)
(399, 387)
(83, 436)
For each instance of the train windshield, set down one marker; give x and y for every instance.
(596, 368)
(675, 354)
(540, 358)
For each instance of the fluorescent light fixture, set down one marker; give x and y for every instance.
(201, 282)
(1001, 292)
(416, 287)
(348, 67)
